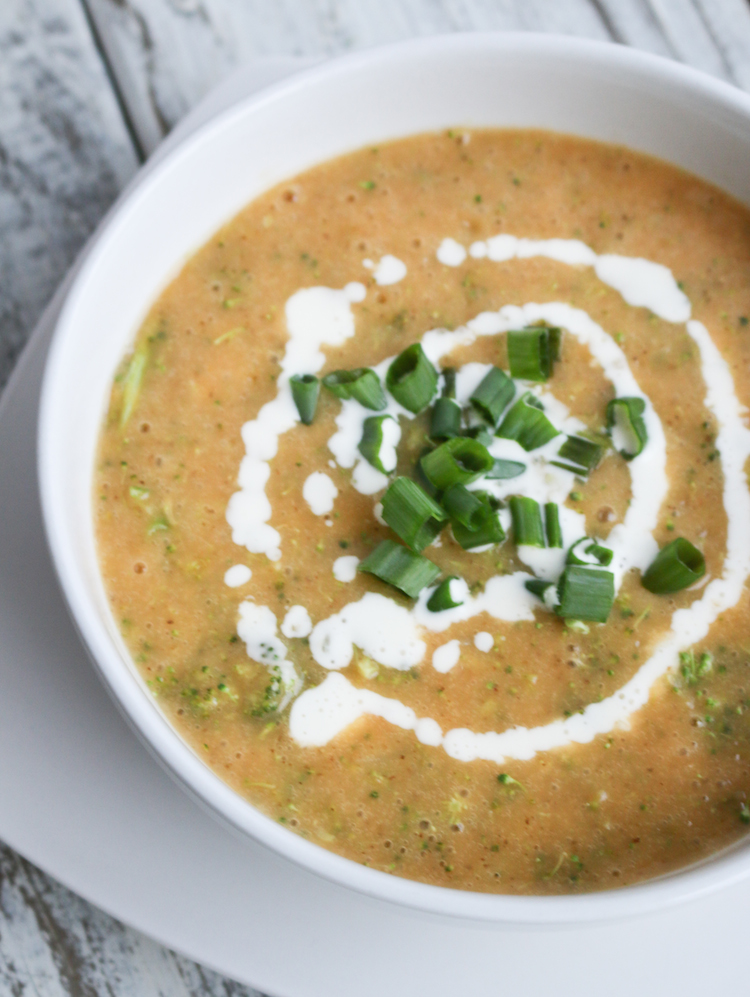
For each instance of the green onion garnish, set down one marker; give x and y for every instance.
(361, 384)
(675, 567)
(493, 393)
(412, 514)
(627, 426)
(371, 444)
(527, 521)
(532, 352)
(442, 598)
(446, 419)
(480, 433)
(449, 382)
(400, 567)
(537, 587)
(305, 392)
(463, 506)
(489, 531)
(585, 593)
(527, 424)
(579, 455)
(588, 551)
(504, 469)
(456, 462)
(552, 525)
(412, 379)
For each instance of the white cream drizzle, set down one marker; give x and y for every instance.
(345, 568)
(390, 270)
(297, 622)
(319, 492)
(238, 574)
(446, 657)
(315, 316)
(389, 633)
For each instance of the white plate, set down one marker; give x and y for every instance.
(82, 799)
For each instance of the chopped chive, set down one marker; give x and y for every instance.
(412, 379)
(132, 383)
(537, 587)
(362, 384)
(449, 382)
(443, 598)
(579, 455)
(527, 521)
(456, 462)
(502, 470)
(588, 551)
(527, 424)
(463, 506)
(675, 567)
(305, 392)
(552, 525)
(532, 352)
(446, 419)
(479, 433)
(489, 531)
(412, 514)
(400, 567)
(585, 593)
(627, 426)
(493, 393)
(376, 438)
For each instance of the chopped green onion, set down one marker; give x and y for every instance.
(579, 455)
(627, 426)
(537, 587)
(493, 393)
(489, 531)
(552, 525)
(675, 567)
(527, 521)
(412, 514)
(400, 567)
(590, 552)
(479, 433)
(371, 444)
(532, 352)
(421, 478)
(463, 506)
(131, 387)
(527, 424)
(456, 462)
(449, 382)
(446, 419)
(442, 598)
(412, 379)
(361, 384)
(305, 392)
(585, 593)
(504, 469)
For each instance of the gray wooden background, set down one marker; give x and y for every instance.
(87, 90)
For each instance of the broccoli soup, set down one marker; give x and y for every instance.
(422, 507)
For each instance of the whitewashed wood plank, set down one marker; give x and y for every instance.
(53, 944)
(64, 155)
(167, 53)
(728, 22)
(632, 22)
(688, 36)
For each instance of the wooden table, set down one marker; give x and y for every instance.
(88, 88)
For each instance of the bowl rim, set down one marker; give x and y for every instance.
(144, 717)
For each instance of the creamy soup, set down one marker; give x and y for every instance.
(422, 508)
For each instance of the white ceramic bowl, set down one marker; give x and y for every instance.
(599, 91)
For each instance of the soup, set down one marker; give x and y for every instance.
(421, 506)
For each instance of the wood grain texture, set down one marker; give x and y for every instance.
(65, 152)
(64, 155)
